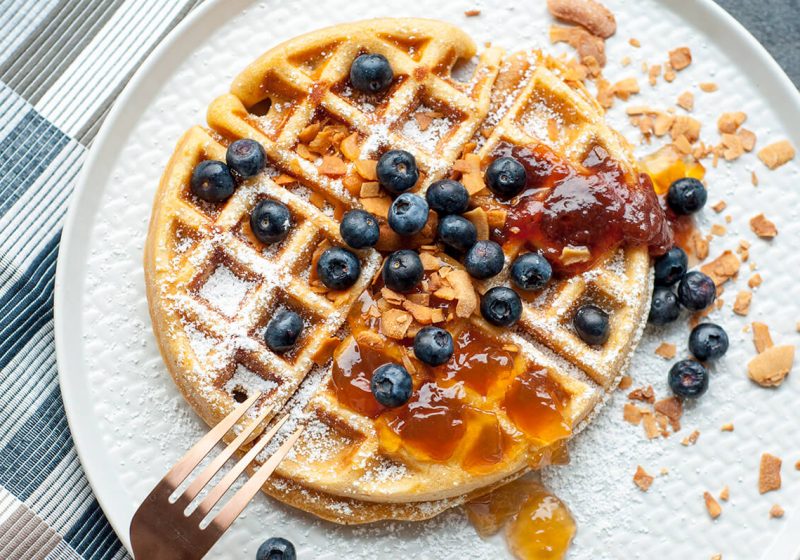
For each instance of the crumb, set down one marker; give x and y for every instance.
(666, 350)
(664, 471)
(626, 60)
(770, 367)
(730, 122)
(776, 154)
(718, 230)
(625, 382)
(797, 466)
(680, 58)
(631, 414)
(642, 479)
(763, 227)
(650, 425)
(769, 473)
(472, 13)
(776, 511)
(708, 87)
(634, 42)
(644, 394)
(754, 178)
(725, 494)
(712, 505)
(691, 439)
(761, 337)
(755, 280)
(686, 101)
(716, 557)
(719, 206)
(742, 304)
(727, 427)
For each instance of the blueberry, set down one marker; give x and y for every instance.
(391, 385)
(670, 267)
(270, 221)
(664, 307)
(402, 270)
(338, 268)
(484, 260)
(457, 232)
(708, 341)
(433, 345)
(359, 229)
(397, 171)
(283, 330)
(371, 73)
(696, 291)
(501, 306)
(408, 214)
(246, 158)
(688, 379)
(591, 323)
(686, 196)
(212, 181)
(447, 197)
(531, 271)
(276, 548)
(506, 177)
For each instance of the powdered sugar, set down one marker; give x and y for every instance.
(247, 380)
(224, 290)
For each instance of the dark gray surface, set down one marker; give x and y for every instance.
(776, 24)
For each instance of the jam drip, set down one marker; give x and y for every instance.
(594, 206)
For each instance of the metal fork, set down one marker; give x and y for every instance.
(161, 530)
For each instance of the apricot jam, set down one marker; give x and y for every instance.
(353, 365)
(478, 362)
(596, 206)
(538, 526)
(535, 403)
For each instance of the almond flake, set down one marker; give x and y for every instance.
(712, 505)
(755, 280)
(730, 122)
(776, 511)
(763, 227)
(770, 367)
(666, 350)
(741, 306)
(776, 154)
(680, 58)
(708, 87)
(769, 473)
(748, 139)
(686, 101)
(761, 337)
(687, 126)
(625, 88)
(642, 479)
(632, 414)
(589, 14)
(691, 439)
(723, 268)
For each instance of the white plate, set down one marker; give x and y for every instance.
(129, 423)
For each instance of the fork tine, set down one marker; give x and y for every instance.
(219, 461)
(192, 458)
(239, 501)
(230, 477)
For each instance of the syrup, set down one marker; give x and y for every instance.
(538, 526)
(596, 206)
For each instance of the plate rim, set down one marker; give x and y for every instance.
(69, 277)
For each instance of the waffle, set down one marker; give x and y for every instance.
(212, 287)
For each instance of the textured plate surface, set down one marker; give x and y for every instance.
(130, 423)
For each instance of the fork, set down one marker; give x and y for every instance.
(160, 528)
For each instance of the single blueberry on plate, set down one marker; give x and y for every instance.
(371, 73)
(212, 181)
(686, 196)
(359, 229)
(531, 271)
(408, 214)
(708, 341)
(664, 307)
(397, 171)
(391, 385)
(276, 548)
(402, 270)
(457, 232)
(433, 346)
(338, 268)
(670, 267)
(447, 197)
(696, 291)
(283, 330)
(246, 158)
(501, 306)
(688, 379)
(592, 324)
(484, 259)
(506, 177)
(270, 221)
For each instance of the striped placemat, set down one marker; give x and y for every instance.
(62, 65)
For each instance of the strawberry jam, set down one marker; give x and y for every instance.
(594, 206)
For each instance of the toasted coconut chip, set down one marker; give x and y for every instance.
(712, 505)
(592, 15)
(770, 367)
(691, 439)
(642, 479)
(763, 227)
(769, 473)
(776, 154)
(741, 306)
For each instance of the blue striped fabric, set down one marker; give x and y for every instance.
(47, 509)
